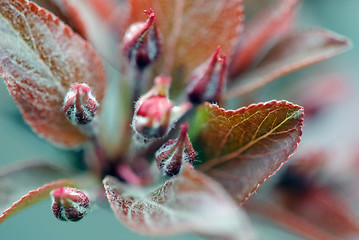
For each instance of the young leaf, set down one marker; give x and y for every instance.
(262, 32)
(189, 202)
(192, 30)
(324, 208)
(61, 13)
(33, 197)
(297, 50)
(40, 58)
(287, 219)
(100, 22)
(245, 147)
(18, 179)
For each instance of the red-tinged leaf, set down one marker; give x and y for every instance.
(192, 30)
(265, 29)
(62, 13)
(189, 202)
(18, 179)
(297, 50)
(325, 209)
(40, 58)
(33, 197)
(288, 220)
(243, 148)
(101, 22)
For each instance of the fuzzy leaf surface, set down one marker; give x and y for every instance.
(192, 30)
(243, 148)
(33, 197)
(297, 50)
(53, 7)
(189, 202)
(40, 58)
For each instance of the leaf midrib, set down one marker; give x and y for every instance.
(220, 160)
(34, 53)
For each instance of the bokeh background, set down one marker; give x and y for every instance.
(335, 129)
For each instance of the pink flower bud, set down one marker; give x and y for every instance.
(154, 113)
(69, 204)
(208, 81)
(80, 105)
(142, 42)
(174, 153)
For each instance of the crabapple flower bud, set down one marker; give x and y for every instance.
(80, 105)
(174, 153)
(208, 81)
(154, 113)
(69, 204)
(142, 42)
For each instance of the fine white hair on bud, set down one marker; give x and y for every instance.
(153, 110)
(142, 42)
(155, 114)
(170, 158)
(69, 204)
(80, 105)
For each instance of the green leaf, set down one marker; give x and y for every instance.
(243, 148)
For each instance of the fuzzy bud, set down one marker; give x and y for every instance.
(80, 105)
(154, 113)
(142, 42)
(173, 154)
(69, 204)
(208, 81)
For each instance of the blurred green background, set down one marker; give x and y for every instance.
(337, 127)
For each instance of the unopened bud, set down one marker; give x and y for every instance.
(173, 154)
(80, 105)
(69, 204)
(154, 113)
(208, 81)
(142, 42)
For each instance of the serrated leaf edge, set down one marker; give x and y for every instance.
(33, 197)
(298, 114)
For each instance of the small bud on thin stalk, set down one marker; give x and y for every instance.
(208, 81)
(172, 156)
(154, 113)
(142, 42)
(80, 105)
(69, 204)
